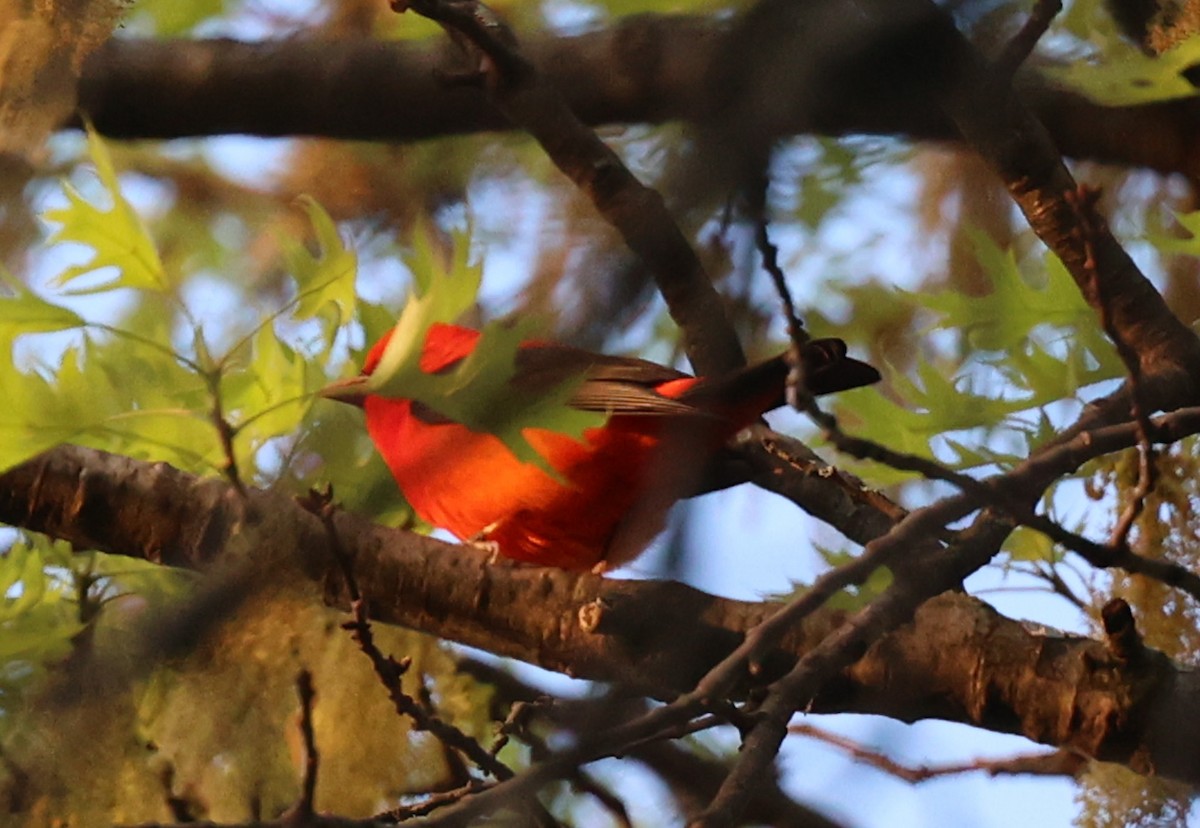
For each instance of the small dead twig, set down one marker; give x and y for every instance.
(390, 670)
(1064, 762)
(432, 802)
(797, 335)
(312, 759)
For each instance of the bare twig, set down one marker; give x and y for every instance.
(1055, 763)
(312, 759)
(389, 669)
(1018, 50)
(225, 433)
(1000, 492)
(433, 802)
(1059, 586)
(797, 335)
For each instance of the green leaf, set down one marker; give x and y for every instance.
(1003, 319)
(443, 292)
(325, 280)
(1171, 243)
(121, 397)
(854, 597)
(269, 397)
(1128, 77)
(1025, 544)
(117, 236)
(476, 392)
(173, 18)
(973, 455)
(26, 312)
(36, 621)
(33, 417)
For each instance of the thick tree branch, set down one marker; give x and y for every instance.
(642, 69)
(598, 628)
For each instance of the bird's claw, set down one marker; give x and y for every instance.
(483, 543)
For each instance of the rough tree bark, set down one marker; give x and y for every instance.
(958, 660)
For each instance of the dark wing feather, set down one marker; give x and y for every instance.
(612, 384)
(827, 369)
(626, 385)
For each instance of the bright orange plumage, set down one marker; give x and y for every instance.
(663, 426)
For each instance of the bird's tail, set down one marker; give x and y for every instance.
(755, 389)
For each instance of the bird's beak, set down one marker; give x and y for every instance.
(351, 391)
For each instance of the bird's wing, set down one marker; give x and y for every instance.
(627, 385)
(612, 384)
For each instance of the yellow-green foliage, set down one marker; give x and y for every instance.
(1112, 796)
(218, 727)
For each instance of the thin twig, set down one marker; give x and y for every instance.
(797, 335)
(312, 759)
(770, 261)
(1059, 586)
(433, 802)
(1018, 50)
(389, 669)
(1065, 762)
(999, 492)
(225, 433)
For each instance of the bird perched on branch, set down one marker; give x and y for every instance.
(590, 503)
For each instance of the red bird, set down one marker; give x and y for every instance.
(616, 485)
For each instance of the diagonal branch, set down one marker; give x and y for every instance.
(526, 98)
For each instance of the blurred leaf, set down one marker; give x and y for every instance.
(117, 236)
(177, 17)
(1025, 544)
(1126, 76)
(476, 391)
(1171, 243)
(270, 396)
(1003, 318)
(852, 598)
(325, 279)
(33, 417)
(37, 617)
(26, 312)
(110, 395)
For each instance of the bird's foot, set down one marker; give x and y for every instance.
(483, 543)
